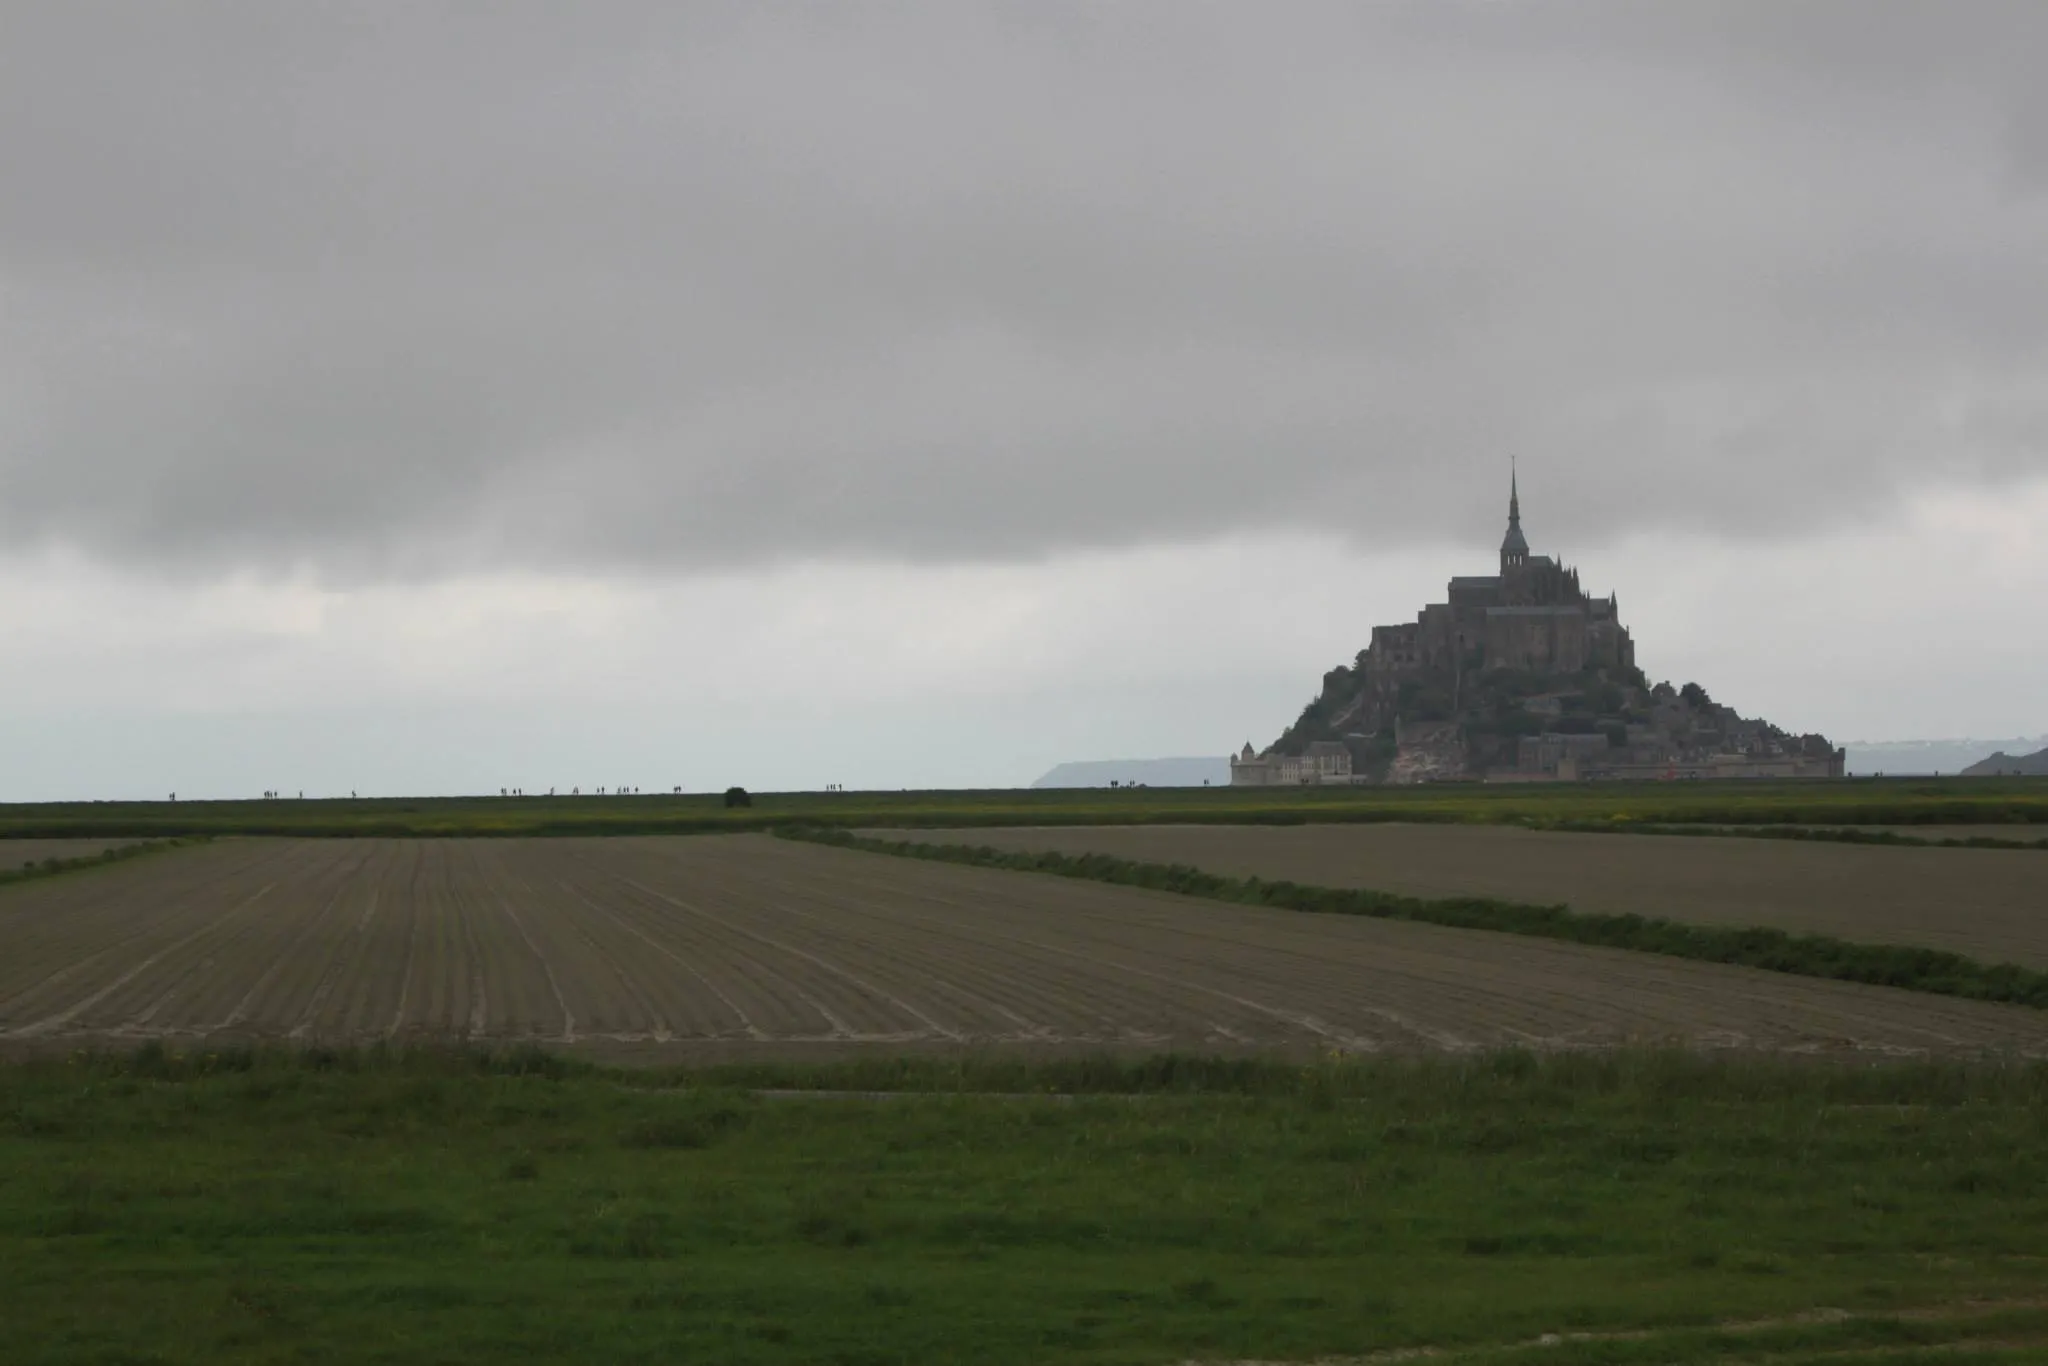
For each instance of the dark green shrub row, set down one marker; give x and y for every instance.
(1804, 955)
(2012, 836)
(2022, 818)
(1425, 1080)
(50, 867)
(158, 1061)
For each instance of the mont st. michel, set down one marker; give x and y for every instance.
(1519, 676)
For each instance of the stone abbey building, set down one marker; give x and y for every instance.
(1519, 676)
(1531, 615)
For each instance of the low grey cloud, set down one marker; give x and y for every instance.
(391, 289)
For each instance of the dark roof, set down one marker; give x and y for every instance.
(1476, 581)
(1515, 541)
(1562, 610)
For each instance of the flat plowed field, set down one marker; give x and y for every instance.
(1989, 904)
(726, 946)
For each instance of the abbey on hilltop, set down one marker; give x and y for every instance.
(1518, 676)
(1531, 615)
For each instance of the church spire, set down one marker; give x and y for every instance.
(1514, 548)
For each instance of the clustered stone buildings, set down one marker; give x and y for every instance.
(1531, 617)
(1321, 761)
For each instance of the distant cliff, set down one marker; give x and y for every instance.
(1520, 722)
(2001, 763)
(1900, 758)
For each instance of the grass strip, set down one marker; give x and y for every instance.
(2007, 808)
(399, 1205)
(120, 853)
(1481, 1079)
(1804, 955)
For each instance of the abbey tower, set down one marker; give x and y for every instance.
(1531, 615)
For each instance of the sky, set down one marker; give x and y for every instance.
(435, 397)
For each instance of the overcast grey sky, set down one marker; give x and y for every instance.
(934, 392)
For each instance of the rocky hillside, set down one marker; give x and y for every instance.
(1461, 726)
(2001, 764)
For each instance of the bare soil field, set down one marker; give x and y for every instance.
(15, 853)
(702, 947)
(1990, 904)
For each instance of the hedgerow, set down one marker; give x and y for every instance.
(1805, 955)
(120, 853)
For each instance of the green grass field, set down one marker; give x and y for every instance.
(1995, 803)
(455, 1208)
(450, 1207)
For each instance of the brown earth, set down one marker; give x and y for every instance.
(14, 853)
(1990, 904)
(694, 948)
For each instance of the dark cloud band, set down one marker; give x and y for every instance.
(395, 289)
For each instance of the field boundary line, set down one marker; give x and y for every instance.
(1931, 971)
(1798, 833)
(120, 853)
(1993, 812)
